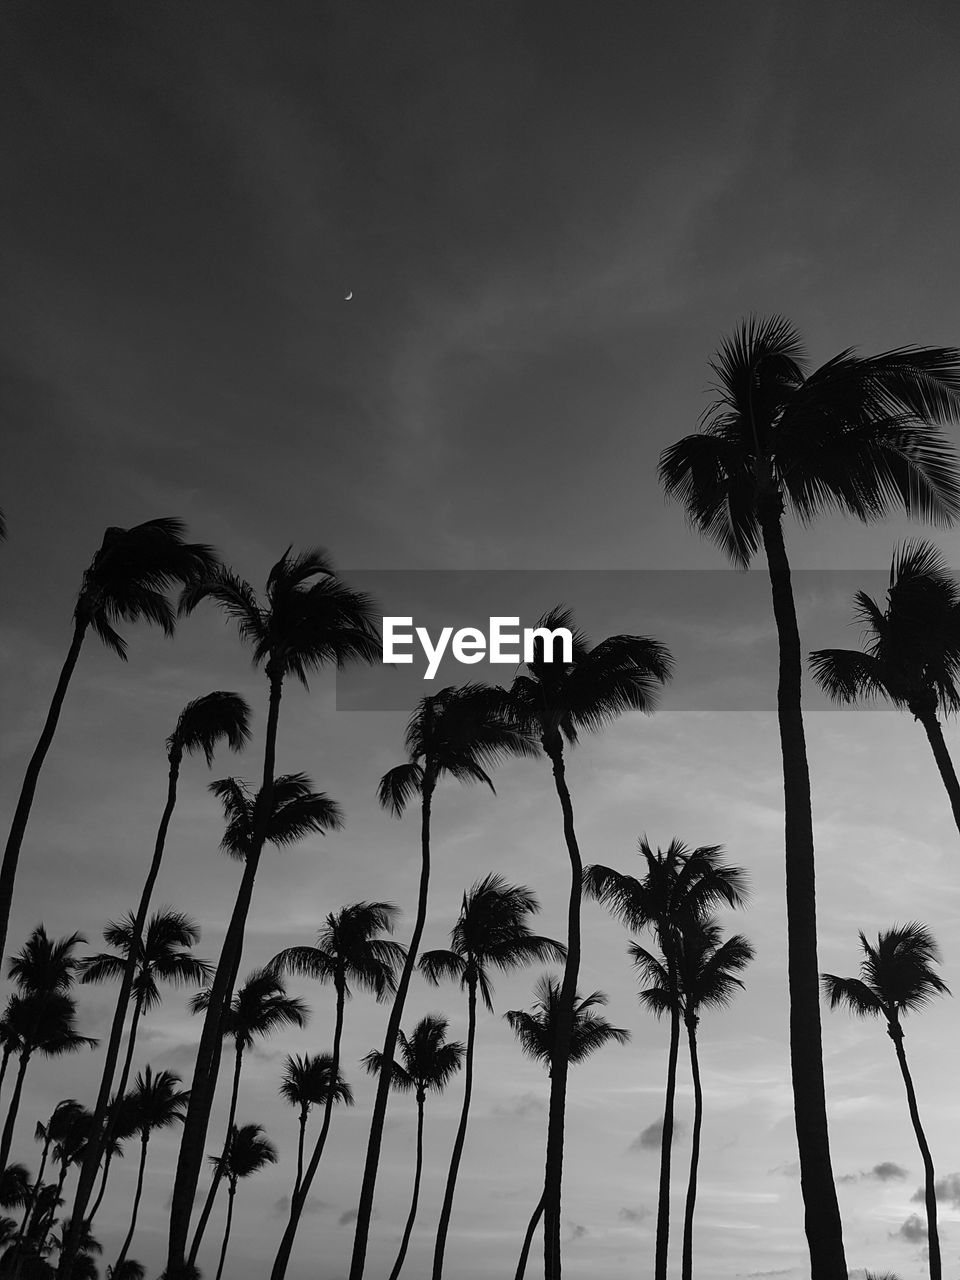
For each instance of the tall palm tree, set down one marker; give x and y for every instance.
(44, 964)
(67, 1152)
(308, 621)
(861, 434)
(259, 1007)
(679, 887)
(912, 654)
(897, 976)
(127, 581)
(247, 1153)
(62, 1120)
(460, 733)
(553, 701)
(201, 726)
(307, 1083)
(491, 933)
(158, 1104)
(348, 950)
(429, 1062)
(538, 1033)
(119, 1128)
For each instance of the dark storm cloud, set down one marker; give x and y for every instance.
(947, 1190)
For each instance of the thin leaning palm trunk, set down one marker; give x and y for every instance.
(136, 1209)
(450, 1189)
(226, 1234)
(31, 1200)
(822, 1222)
(368, 1185)
(411, 1216)
(941, 754)
(686, 1264)
(301, 1143)
(7, 1139)
(666, 1146)
(110, 1127)
(221, 1165)
(528, 1239)
(929, 1177)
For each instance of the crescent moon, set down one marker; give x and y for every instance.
(348, 296)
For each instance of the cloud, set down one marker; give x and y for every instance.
(885, 1171)
(525, 1104)
(789, 1169)
(914, 1230)
(346, 1218)
(947, 1190)
(648, 1139)
(576, 1231)
(281, 1207)
(633, 1215)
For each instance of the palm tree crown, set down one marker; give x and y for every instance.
(44, 964)
(536, 1031)
(429, 1060)
(205, 721)
(297, 810)
(308, 1082)
(156, 1102)
(247, 1152)
(259, 1007)
(896, 975)
(163, 955)
(348, 951)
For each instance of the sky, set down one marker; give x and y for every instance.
(548, 217)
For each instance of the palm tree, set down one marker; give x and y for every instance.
(44, 964)
(348, 951)
(201, 726)
(129, 1269)
(259, 1008)
(62, 1120)
(912, 655)
(553, 701)
(308, 621)
(492, 932)
(538, 1033)
(119, 1128)
(680, 887)
(67, 1151)
(460, 733)
(308, 1082)
(127, 581)
(896, 977)
(860, 434)
(158, 1104)
(247, 1153)
(429, 1062)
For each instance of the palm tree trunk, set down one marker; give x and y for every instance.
(451, 1186)
(944, 762)
(206, 1068)
(101, 1127)
(102, 1192)
(226, 1232)
(368, 1185)
(111, 1124)
(48, 1223)
(11, 854)
(822, 1223)
(3, 1065)
(553, 1175)
(136, 1206)
(686, 1265)
(666, 1146)
(528, 1239)
(218, 1168)
(929, 1178)
(12, 1110)
(282, 1259)
(301, 1140)
(416, 1195)
(32, 1199)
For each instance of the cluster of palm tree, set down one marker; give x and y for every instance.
(860, 435)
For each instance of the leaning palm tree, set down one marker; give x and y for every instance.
(63, 1118)
(861, 435)
(491, 933)
(538, 1033)
(67, 1152)
(309, 1082)
(348, 950)
(127, 581)
(679, 887)
(897, 976)
(460, 733)
(247, 1153)
(429, 1062)
(201, 726)
(308, 621)
(259, 1008)
(158, 1104)
(119, 1128)
(912, 652)
(552, 702)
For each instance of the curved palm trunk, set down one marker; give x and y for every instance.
(528, 1239)
(11, 854)
(686, 1265)
(822, 1223)
(12, 1110)
(226, 1232)
(944, 762)
(367, 1187)
(218, 1169)
(48, 1223)
(31, 1201)
(3, 1065)
(136, 1206)
(109, 1128)
(559, 1067)
(301, 1141)
(666, 1148)
(103, 1190)
(282, 1259)
(451, 1186)
(929, 1179)
(407, 1230)
(206, 1068)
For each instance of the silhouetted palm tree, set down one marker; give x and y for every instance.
(492, 933)
(129, 1269)
(912, 654)
(859, 435)
(429, 1062)
(120, 1127)
(347, 951)
(247, 1153)
(460, 733)
(539, 1038)
(552, 702)
(309, 1082)
(679, 887)
(259, 1007)
(896, 977)
(127, 581)
(62, 1120)
(201, 726)
(308, 621)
